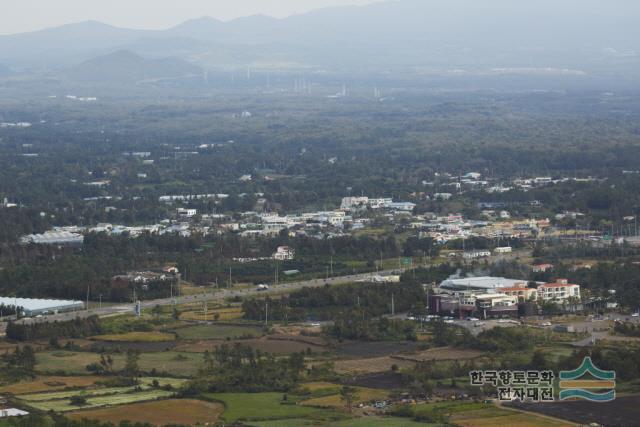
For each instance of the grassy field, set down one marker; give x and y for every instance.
(61, 395)
(355, 422)
(224, 314)
(259, 406)
(70, 363)
(370, 365)
(145, 384)
(64, 405)
(66, 362)
(172, 411)
(264, 345)
(334, 401)
(452, 407)
(218, 332)
(495, 417)
(50, 383)
(174, 363)
(152, 336)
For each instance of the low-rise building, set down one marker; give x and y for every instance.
(503, 250)
(284, 253)
(186, 213)
(562, 290)
(476, 254)
(521, 292)
(541, 268)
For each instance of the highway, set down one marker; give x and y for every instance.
(216, 295)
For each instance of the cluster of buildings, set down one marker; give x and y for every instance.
(475, 181)
(453, 227)
(354, 204)
(499, 297)
(169, 275)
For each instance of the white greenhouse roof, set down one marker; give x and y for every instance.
(30, 304)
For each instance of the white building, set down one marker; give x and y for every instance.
(401, 206)
(54, 238)
(34, 307)
(476, 254)
(187, 213)
(489, 301)
(483, 284)
(354, 202)
(442, 196)
(559, 291)
(503, 250)
(12, 412)
(284, 253)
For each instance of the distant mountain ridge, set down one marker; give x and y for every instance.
(442, 34)
(127, 67)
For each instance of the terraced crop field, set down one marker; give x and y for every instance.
(96, 397)
(74, 363)
(50, 383)
(170, 411)
(64, 405)
(259, 406)
(152, 336)
(334, 401)
(218, 332)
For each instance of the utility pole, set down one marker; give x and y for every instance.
(230, 282)
(331, 264)
(100, 303)
(393, 306)
(88, 288)
(266, 312)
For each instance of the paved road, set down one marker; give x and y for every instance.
(216, 295)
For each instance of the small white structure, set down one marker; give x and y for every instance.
(187, 213)
(442, 196)
(503, 250)
(354, 202)
(476, 254)
(12, 412)
(284, 253)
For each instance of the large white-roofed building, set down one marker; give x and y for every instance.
(54, 238)
(34, 307)
(485, 284)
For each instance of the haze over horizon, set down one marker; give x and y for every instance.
(149, 14)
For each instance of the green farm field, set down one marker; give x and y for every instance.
(259, 406)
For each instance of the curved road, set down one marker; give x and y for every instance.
(217, 295)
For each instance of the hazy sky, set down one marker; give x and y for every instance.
(28, 15)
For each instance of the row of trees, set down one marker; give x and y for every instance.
(355, 325)
(76, 328)
(240, 368)
(324, 303)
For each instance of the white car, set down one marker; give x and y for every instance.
(635, 315)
